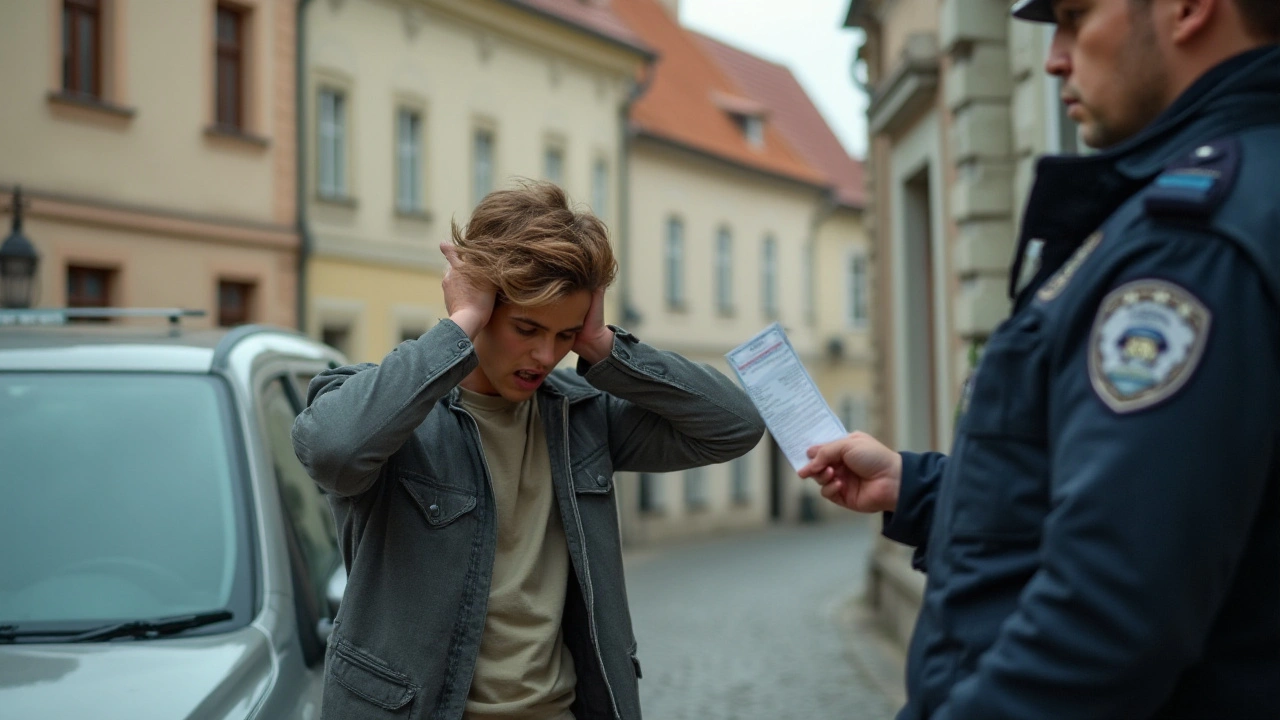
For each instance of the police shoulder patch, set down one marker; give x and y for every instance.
(1146, 343)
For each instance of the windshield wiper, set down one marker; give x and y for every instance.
(10, 633)
(149, 629)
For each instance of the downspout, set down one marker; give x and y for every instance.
(630, 316)
(306, 242)
(827, 206)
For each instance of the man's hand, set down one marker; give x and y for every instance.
(595, 341)
(856, 472)
(468, 305)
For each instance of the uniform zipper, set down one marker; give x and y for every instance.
(586, 566)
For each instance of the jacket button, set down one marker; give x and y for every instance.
(462, 344)
(601, 481)
(433, 510)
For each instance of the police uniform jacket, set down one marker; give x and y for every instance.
(1103, 541)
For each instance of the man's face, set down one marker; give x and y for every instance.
(1113, 78)
(522, 344)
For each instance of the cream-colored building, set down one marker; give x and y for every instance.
(960, 111)
(155, 143)
(414, 109)
(737, 222)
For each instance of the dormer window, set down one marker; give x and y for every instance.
(753, 128)
(746, 113)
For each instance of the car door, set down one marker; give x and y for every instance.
(314, 558)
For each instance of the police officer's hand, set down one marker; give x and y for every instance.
(857, 472)
(468, 302)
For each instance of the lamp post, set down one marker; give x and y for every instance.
(18, 261)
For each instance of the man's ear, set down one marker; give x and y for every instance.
(1191, 18)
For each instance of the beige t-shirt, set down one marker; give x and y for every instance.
(524, 670)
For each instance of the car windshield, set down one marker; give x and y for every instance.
(120, 498)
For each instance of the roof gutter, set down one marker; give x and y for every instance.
(306, 241)
(648, 54)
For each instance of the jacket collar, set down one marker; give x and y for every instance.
(554, 387)
(1074, 194)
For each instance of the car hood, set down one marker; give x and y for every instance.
(200, 678)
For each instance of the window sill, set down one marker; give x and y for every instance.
(224, 132)
(345, 201)
(655, 511)
(677, 307)
(697, 506)
(419, 215)
(93, 104)
(726, 312)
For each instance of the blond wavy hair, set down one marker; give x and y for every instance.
(533, 247)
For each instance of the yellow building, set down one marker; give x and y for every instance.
(155, 141)
(413, 111)
(743, 210)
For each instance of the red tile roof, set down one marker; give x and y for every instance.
(594, 16)
(795, 115)
(691, 96)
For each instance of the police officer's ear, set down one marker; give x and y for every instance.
(1188, 20)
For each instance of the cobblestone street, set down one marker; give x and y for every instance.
(749, 626)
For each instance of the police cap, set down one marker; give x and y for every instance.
(1034, 10)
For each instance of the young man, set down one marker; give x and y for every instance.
(1103, 541)
(472, 482)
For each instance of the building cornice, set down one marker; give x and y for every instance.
(176, 224)
(909, 89)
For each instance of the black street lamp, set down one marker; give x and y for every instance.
(18, 260)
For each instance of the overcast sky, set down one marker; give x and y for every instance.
(806, 36)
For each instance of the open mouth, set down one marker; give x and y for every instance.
(529, 378)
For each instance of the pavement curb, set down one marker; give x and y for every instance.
(870, 649)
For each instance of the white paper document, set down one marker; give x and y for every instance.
(784, 393)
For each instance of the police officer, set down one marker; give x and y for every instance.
(1103, 541)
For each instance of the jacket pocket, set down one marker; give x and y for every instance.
(594, 475)
(356, 679)
(440, 504)
(999, 466)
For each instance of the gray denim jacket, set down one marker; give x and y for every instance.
(407, 481)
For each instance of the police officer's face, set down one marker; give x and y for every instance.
(1113, 77)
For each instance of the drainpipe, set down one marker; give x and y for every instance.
(827, 206)
(630, 316)
(306, 242)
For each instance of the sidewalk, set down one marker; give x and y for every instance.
(869, 648)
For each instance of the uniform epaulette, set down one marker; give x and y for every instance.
(1194, 186)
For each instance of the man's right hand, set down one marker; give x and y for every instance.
(468, 305)
(857, 472)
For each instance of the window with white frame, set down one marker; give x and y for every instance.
(769, 277)
(651, 500)
(853, 413)
(482, 165)
(553, 164)
(724, 271)
(741, 482)
(408, 160)
(810, 283)
(331, 120)
(675, 264)
(695, 488)
(600, 188)
(858, 312)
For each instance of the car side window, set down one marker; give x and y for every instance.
(305, 506)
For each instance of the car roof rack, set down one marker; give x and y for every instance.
(60, 316)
